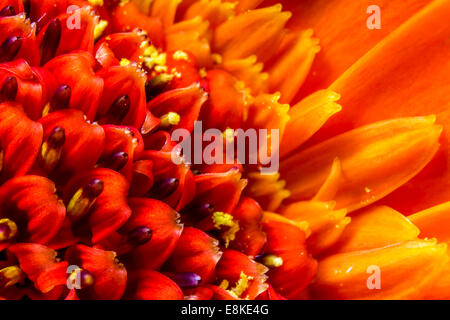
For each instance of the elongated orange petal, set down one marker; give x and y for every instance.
(306, 117)
(404, 75)
(348, 275)
(214, 11)
(165, 10)
(375, 228)
(297, 54)
(331, 185)
(253, 32)
(434, 222)
(190, 36)
(326, 224)
(375, 160)
(250, 71)
(339, 24)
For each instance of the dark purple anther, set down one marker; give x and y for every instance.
(93, 189)
(187, 280)
(9, 89)
(51, 40)
(8, 11)
(56, 138)
(119, 109)
(164, 188)
(140, 235)
(116, 161)
(86, 279)
(10, 48)
(61, 98)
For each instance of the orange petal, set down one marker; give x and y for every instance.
(341, 27)
(376, 227)
(253, 32)
(249, 71)
(330, 187)
(405, 269)
(190, 36)
(434, 222)
(296, 54)
(404, 75)
(375, 160)
(326, 224)
(164, 10)
(308, 116)
(215, 11)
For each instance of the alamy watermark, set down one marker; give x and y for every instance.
(212, 146)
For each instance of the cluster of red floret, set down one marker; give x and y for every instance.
(87, 178)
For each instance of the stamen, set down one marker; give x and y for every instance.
(116, 161)
(272, 261)
(170, 119)
(119, 109)
(164, 188)
(187, 280)
(8, 230)
(204, 210)
(10, 276)
(222, 219)
(51, 149)
(51, 40)
(8, 11)
(9, 48)
(61, 98)
(9, 89)
(84, 199)
(140, 236)
(100, 28)
(85, 278)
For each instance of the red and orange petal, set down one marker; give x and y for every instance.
(20, 141)
(151, 285)
(166, 230)
(195, 252)
(31, 203)
(110, 276)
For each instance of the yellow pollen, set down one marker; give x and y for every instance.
(98, 3)
(181, 55)
(170, 119)
(273, 261)
(224, 284)
(217, 58)
(202, 72)
(124, 62)
(46, 110)
(229, 134)
(241, 285)
(222, 219)
(100, 28)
